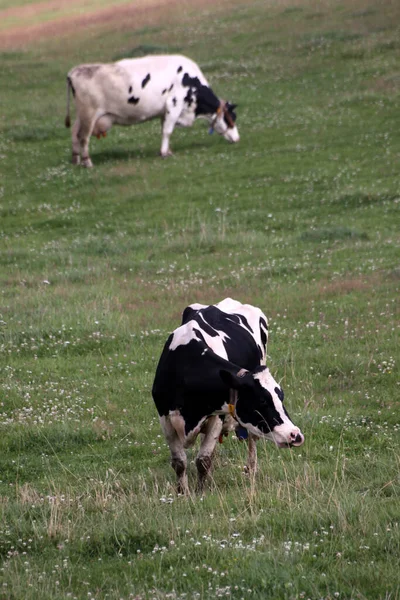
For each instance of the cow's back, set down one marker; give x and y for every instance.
(235, 331)
(160, 66)
(133, 89)
(100, 85)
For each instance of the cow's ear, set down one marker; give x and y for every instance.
(235, 380)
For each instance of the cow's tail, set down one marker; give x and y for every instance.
(69, 87)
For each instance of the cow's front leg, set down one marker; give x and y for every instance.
(211, 432)
(167, 127)
(251, 466)
(173, 110)
(178, 454)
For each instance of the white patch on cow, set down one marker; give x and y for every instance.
(197, 306)
(252, 314)
(211, 431)
(178, 423)
(229, 305)
(216, 343)
(183, 335)
(268, 383)
(186, 333)
(252, 429)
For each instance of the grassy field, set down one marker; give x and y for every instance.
(300, 218)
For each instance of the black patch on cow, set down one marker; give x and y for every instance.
(206, 101)
(229, 109)
(240, 319)
(174, 101)
(170, 87)
(207, 328)
(146, 80)
(133, 100)
(260, 351)
(179, 69)
(279, 393)
(189, 98)
(188, 314)
(130, 89)
(199, 335)
(164, 91)
(245, 322)
(264, 338)
(257, 407)
(188, 81)
(188, 379)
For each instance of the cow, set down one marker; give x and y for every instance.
(169, 87)
(212, 378)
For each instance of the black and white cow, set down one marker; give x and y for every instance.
(212, 378)
(130, 91)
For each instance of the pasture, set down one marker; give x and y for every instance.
(301, 218)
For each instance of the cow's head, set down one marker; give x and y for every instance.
(224, 122)
(259, 406)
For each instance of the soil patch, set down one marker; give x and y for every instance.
(119, 17)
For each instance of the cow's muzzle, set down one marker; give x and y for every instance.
(232, 135)
(296, 439)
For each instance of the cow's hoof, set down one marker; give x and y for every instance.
(76, 159)
(249, 471)
(86, 162)
(166, 154)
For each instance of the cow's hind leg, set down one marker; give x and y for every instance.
(76, 146)
(87, 122)
(178, 454)
(167, 127)
(211, 432)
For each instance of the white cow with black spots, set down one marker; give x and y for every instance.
(130, 91)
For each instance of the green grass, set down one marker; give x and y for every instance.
(300, 218)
